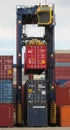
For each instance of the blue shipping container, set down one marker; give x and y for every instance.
(61, 81)
(6, 94)
(1, 91)
(37, 115)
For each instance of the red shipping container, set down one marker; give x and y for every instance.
(62, 72)
(62, 69)
(35, 59)
(6, 115)
(62, 96)
(6, 67)
(41, 57)
(62, 57)
(62, 75)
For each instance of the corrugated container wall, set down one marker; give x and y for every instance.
(63, 116)
(59, 57)
(37, 115)
(6, 115)
(6, 67)
(36, 104)
(62, 72)
(6, 91)
(62, 96)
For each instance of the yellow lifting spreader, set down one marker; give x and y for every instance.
(45, 15)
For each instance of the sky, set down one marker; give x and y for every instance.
(8, 24)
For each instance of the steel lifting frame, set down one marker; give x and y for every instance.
(49, 73)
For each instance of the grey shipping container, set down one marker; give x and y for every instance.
(36, 91)
(6, 95)
(60, 64)
(37, 115)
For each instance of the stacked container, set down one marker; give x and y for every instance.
(35, 106)
(6, 86)
(62, 75)
(62, 66)
(64, 116)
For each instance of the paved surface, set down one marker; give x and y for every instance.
(47, 128)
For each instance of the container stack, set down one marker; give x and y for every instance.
(62, 66)
(62, 75)
(6, 86)
(35, 104)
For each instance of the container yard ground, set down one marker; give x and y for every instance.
(46, 128)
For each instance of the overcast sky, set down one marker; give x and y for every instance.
(8, 24)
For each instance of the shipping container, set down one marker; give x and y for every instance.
(62, 51)
(62, 95)
(35, 103)
(6, 93)
(6, 115)
(61, 81)
(37, 115)
(62, 69)
(63, 116)
(36, 91)
(62, 57)
(35, 59)
(62, 75)
(62, 64)
(62, 72)
(6, 67)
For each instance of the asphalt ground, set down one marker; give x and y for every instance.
(35, 128)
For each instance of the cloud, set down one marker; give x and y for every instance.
(63, 3)
(62, 38)
(62, 17)
(7, 50)
(7, 33)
